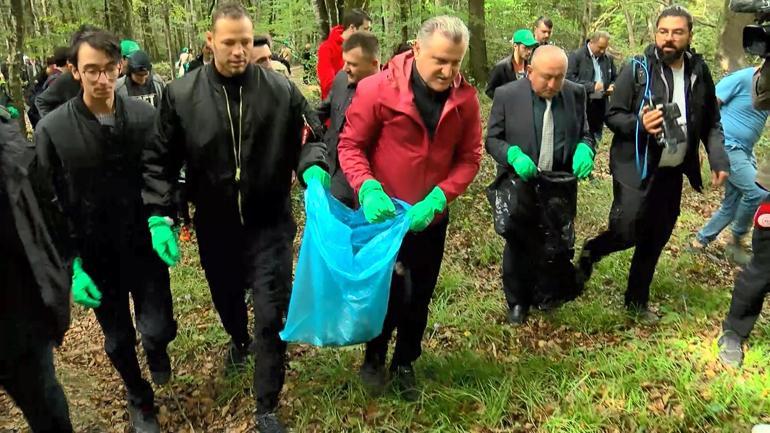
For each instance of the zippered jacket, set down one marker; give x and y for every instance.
(230, 176)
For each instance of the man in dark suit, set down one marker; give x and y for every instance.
(537, 124)
(591, 67)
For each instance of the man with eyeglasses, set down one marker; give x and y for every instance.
(647, 169)
(90, 148)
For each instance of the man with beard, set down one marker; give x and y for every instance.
(647, 171)
(239, 129)
(543, 30)
(513, 67)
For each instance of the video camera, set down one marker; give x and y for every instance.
(756, 37)
(673, 134)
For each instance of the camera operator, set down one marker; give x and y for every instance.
(653, 147)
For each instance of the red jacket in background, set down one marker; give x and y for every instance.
(385, 138)
(329, 60)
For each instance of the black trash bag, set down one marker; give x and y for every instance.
(539, 216)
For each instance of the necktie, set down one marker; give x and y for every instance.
(545, 162)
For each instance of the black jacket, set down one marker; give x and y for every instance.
(703, 119)
(511, 122)
(333, 109)
(64, 88)
(581, 69)
(41, 298)
(193, 126)
(500, 74)
(96, 173)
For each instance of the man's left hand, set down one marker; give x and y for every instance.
(718, 178)
(423, 212)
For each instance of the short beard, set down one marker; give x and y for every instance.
(670, 57)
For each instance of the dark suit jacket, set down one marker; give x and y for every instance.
(511, 122)
(501, 73)
(333, 109)
(581, 69)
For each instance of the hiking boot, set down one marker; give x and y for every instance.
(643, 315)
(695, 245)
(373, 378)
(269, 423)
(730, 349)
(235, 357)
(405, 382)
(737, 253)
(143, 419)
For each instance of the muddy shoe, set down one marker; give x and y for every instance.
(643, 315)
(373, 378)
(269, 423)
(696, 246)
(405, 382)
(730, 349)
(235, 358)
(737, 254)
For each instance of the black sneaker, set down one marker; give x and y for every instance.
(643, 315)
(269, 423)
(585, 267)
(373, 378)
(235, 357)
(143, 420)
(405, 382)
(731, 349)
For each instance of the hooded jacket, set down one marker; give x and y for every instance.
(386, 139)
(703, 119)
(329, 60)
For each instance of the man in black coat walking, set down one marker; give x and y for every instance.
(239, 129)
(34, 300)
(647, 167)
(360, 53)
(90, 148)
(513, 67)
(591, 67)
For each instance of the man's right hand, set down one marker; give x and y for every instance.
(652, 120)
(598, 87)
(377, 206)
(163, 239)
(84, 290)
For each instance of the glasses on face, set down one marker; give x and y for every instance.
(675, 33)
(110, 73)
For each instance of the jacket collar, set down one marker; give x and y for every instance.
(82, 109)
(335, 35)
(238, 80)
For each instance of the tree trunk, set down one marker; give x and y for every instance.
(630, 29)
(167, 28)
(730, 54)
(119, 17)
(193, 32)
(322, 16)
(478, 46)
(403, 8)
(587, 20)
(33, 15)
(16, 63)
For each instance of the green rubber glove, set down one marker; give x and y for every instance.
(423, 212)
(84, 290)
(377, 206)
(583, 161)
(164, 239)
(524, 166)
(13, 111)
(316, 172)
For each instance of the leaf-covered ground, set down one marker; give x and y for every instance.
(583, 368)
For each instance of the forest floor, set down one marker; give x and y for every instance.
(583, 368)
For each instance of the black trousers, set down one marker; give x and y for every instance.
(258, 258)
(751, 286)
(410, 294)
(595, 111)
(641, 218)
(30, 380)
(520, 269)
(146, 279)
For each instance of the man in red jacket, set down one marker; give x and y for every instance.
(330, 51)
(414, 133)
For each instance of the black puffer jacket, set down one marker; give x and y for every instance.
(96, 173)
(703, 119)
(39, 304)
(193, 126)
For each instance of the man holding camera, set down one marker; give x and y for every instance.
(653, 147)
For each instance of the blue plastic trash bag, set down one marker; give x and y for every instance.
(342, 282)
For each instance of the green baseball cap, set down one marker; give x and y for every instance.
(128, 47)
(524, 37)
